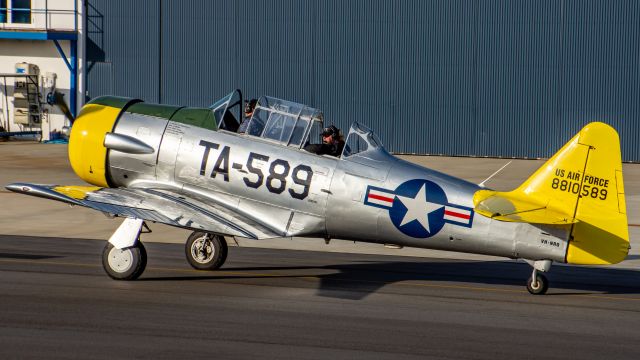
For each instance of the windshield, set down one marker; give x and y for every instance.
(360, 140)
(227, 111)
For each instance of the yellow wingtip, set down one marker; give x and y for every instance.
(76, 192)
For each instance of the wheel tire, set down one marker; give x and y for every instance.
(541, 287)
(206, 251)
(124, 264)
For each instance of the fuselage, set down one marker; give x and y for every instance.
(369, 196)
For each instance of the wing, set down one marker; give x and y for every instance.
(157, 205)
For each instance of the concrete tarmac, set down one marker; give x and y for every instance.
(57, 303)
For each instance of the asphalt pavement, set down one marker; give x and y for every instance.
(57, 302)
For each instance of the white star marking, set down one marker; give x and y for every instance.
(418, 208)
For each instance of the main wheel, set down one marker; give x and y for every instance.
(539, 287)
(124, 264)
(206, 251)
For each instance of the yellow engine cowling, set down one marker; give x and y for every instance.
(87, 154)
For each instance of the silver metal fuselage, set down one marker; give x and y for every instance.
(225, 167)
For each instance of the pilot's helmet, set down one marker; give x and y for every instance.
(249, 105)
(332, 131)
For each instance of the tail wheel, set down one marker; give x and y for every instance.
(124, 264)
(206, 251)
(538, 285)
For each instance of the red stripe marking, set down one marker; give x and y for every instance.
(379, 197)
(451, 213)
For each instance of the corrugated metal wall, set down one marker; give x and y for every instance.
(122, 48)
(485, 78)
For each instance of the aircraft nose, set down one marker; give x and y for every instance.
(87, 154)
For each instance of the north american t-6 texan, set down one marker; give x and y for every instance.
(191, 168)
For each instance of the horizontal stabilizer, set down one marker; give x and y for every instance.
(508, 207)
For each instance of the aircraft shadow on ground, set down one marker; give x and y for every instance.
(356, 281)
(360, 280)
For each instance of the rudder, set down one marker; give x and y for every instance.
(601, 234)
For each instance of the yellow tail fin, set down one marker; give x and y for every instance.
(580, 185)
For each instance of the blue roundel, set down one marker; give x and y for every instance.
(418, 208)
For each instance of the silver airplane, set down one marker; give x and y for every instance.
(190, 168)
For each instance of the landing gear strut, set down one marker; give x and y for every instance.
(124, 257)
(538, 283)
(206, 251)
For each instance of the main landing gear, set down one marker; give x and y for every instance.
(125, 258)
(124, 264)
(206, 251)
(538, 283)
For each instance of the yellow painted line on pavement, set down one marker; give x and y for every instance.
(48, 263)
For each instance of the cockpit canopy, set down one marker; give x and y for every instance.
(284, 121)
(291, 124)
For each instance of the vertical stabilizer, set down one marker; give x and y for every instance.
(580, 186)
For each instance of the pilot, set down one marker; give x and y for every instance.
(332, 143)
(249, 106)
